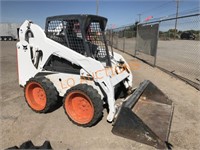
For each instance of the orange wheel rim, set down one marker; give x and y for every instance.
(79, 107)
(36, 96)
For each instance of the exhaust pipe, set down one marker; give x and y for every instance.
(145, 117)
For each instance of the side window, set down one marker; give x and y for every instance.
(55, 27)
(55, 31)
(67, 33)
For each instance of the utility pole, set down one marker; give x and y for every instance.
(97, 7)
(139, 15)
(177, 7)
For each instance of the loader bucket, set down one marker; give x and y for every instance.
(145, 117)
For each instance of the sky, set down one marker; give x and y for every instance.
(118, 12)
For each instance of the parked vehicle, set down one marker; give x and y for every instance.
(9, 31)
(187, 36)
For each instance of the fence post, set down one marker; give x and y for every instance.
(112, 34)
(117, 40)
(136, 40)
(124, 39)
(155, 57)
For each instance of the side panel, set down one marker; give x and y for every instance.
(26, 69)
(63, 82)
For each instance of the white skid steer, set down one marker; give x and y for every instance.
(71, 60)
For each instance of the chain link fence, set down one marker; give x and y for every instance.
(177, 50)
(123, 38)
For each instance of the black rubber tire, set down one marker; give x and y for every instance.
(95, 99)
(50, 91)
(10, 39)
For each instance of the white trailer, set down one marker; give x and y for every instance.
(9, 31)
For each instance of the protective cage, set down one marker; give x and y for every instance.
(81, 33)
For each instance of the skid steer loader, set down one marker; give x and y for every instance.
(71, 59)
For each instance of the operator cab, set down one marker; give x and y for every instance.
(81, 33)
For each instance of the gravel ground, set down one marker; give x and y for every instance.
(19, 123)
